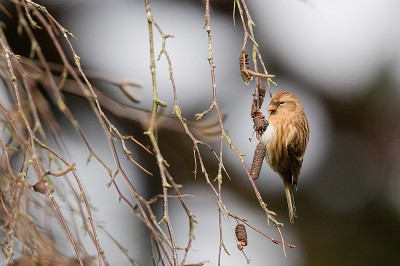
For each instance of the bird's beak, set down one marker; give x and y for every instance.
(272, 108)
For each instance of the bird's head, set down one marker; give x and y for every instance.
(284, 103)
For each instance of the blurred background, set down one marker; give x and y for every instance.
(341, 58)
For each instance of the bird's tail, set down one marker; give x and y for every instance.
(290, 201)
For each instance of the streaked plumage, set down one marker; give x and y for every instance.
(286, 139)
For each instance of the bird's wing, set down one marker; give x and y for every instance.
(295, 155)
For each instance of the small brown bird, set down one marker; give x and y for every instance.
(286, 139)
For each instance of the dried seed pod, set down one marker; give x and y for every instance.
(260, 124)
(258, 99)
(261, 93)
(241, 234)
(258, 160)
(244, 65)
(40, 187)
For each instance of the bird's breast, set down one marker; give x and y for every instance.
(268, 134)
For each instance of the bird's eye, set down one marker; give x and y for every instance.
(281, 102)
